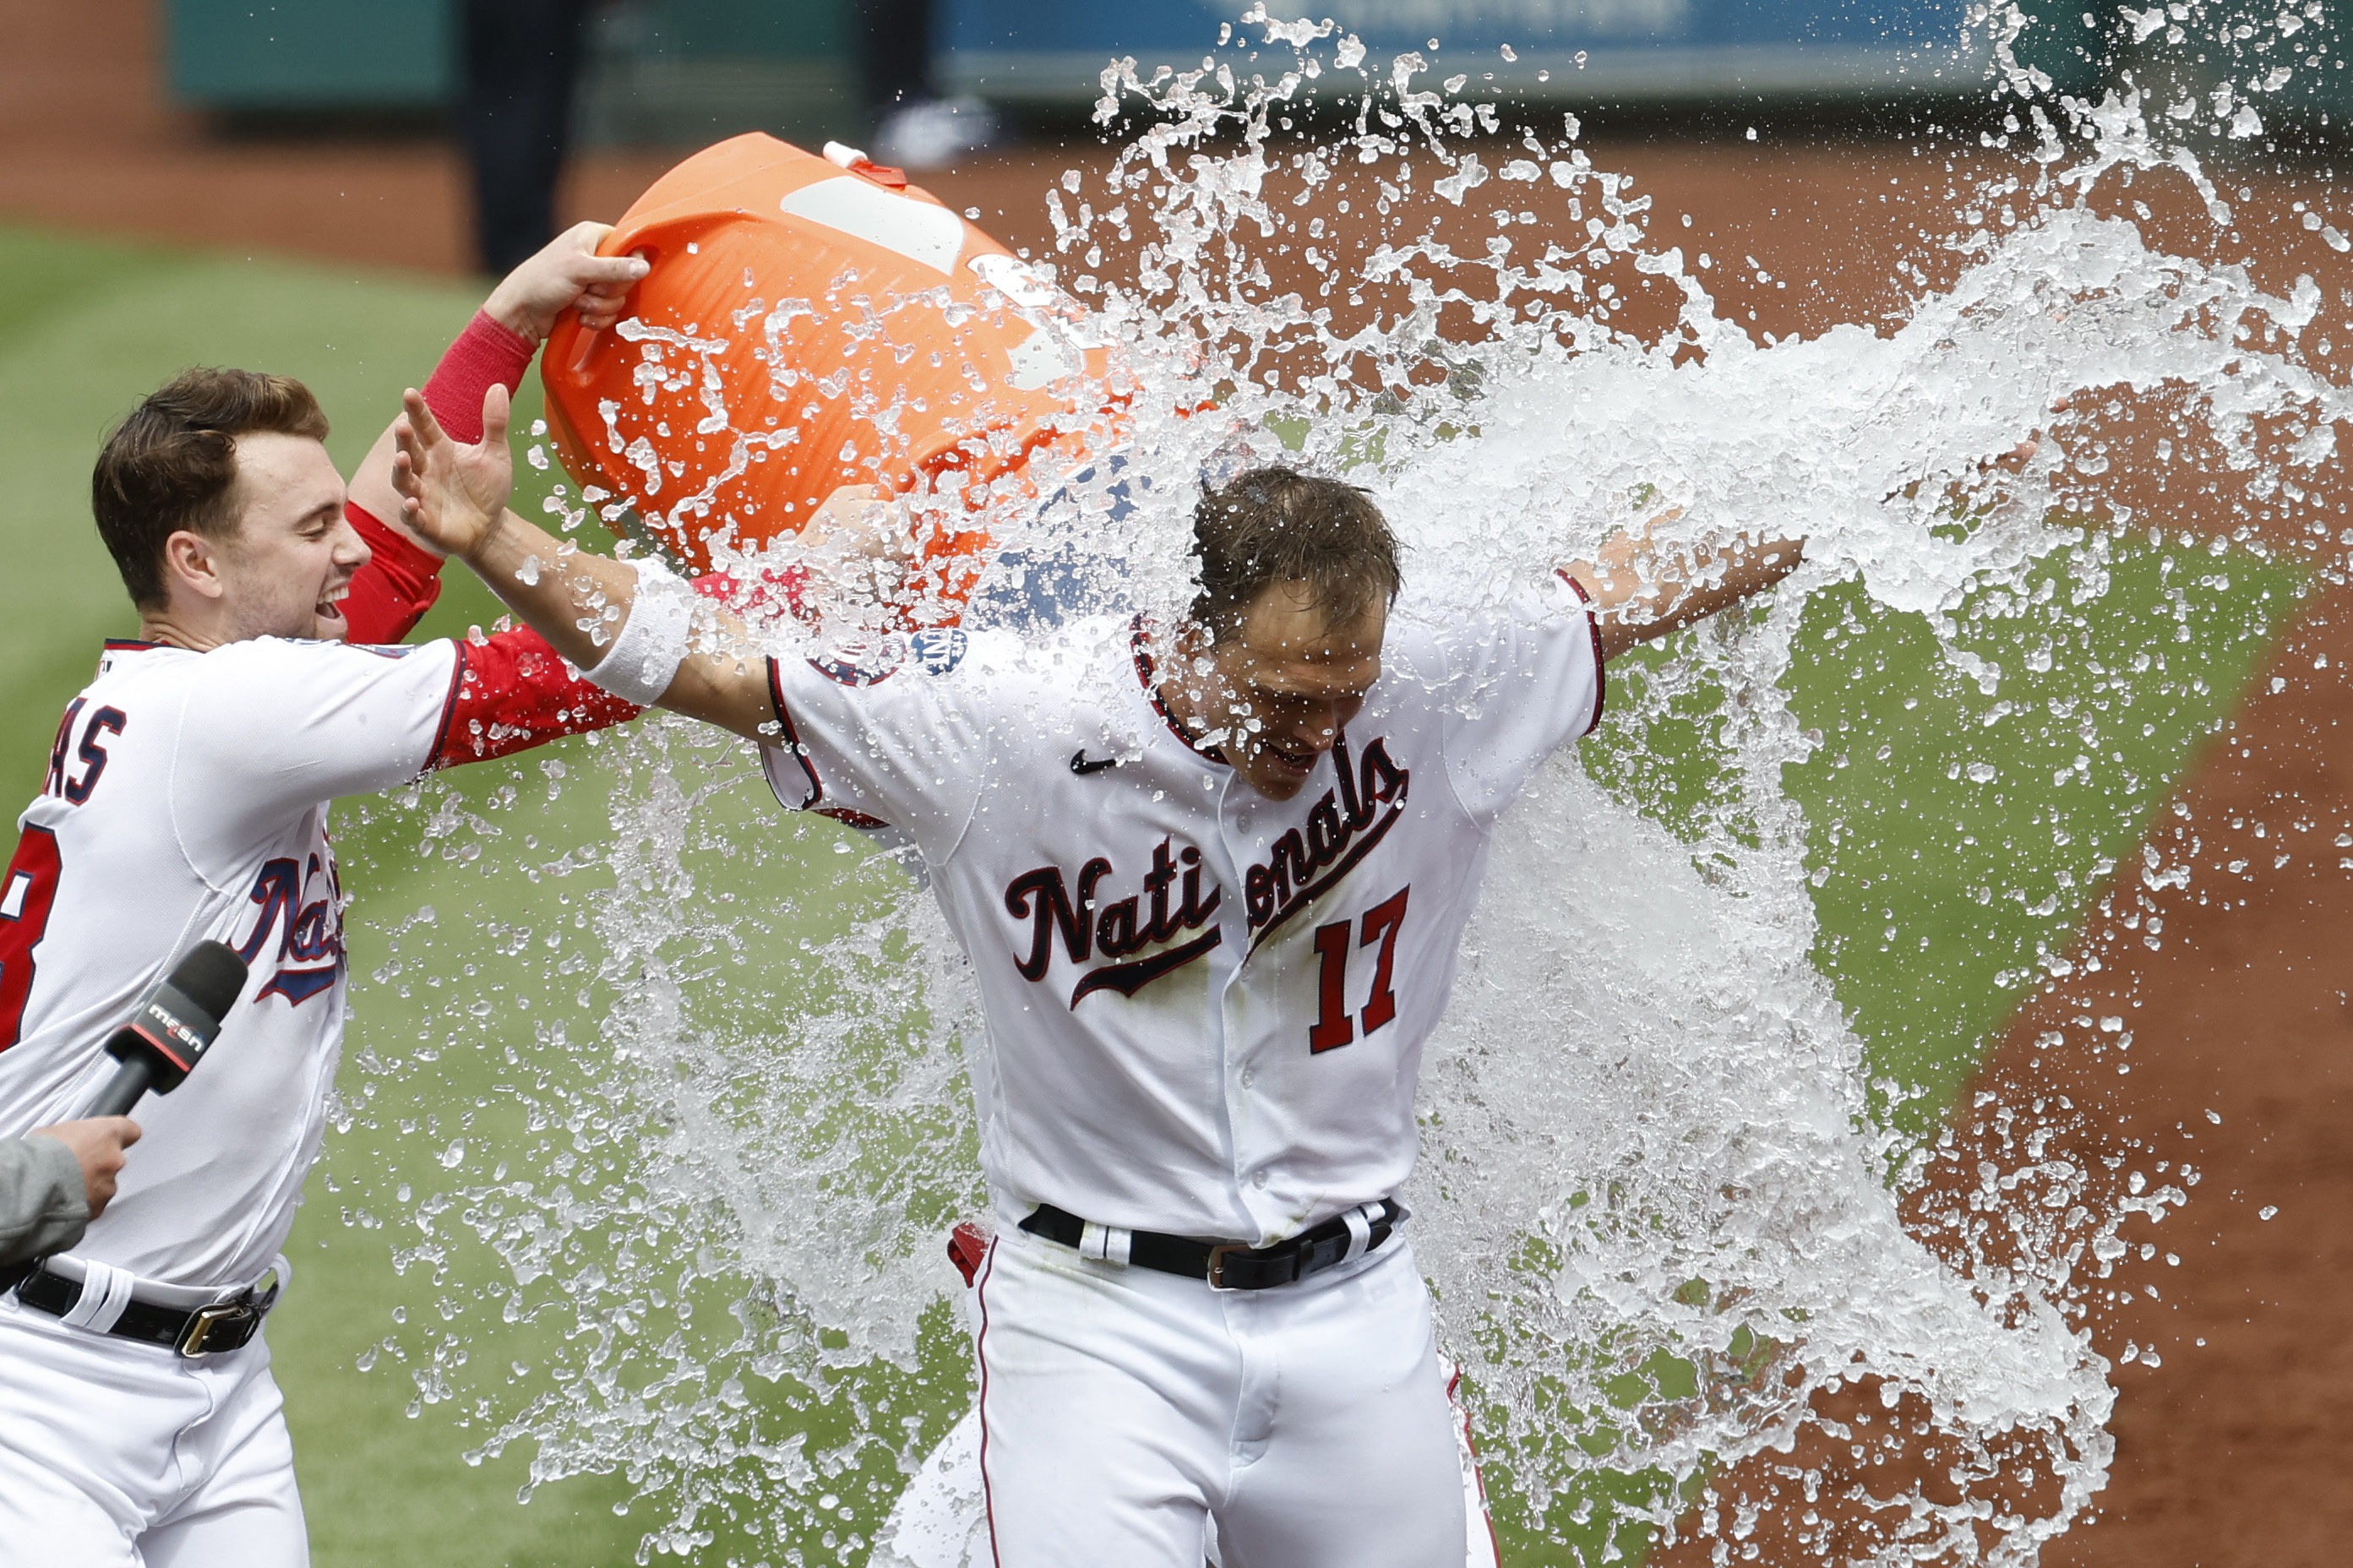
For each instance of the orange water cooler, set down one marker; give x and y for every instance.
(814, 322)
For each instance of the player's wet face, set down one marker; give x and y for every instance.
(1285, 682)
(286, 569)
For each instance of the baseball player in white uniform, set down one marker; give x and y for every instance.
(186, 799)
(1211, 879)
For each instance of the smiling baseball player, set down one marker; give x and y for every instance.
(1213, 881)
(186, 799)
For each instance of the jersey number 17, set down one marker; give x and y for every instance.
(1381, 924)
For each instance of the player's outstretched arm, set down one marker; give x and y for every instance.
(566, 274)
(454, 495)
(1643, 590)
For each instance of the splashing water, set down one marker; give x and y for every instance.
(1663, 1197)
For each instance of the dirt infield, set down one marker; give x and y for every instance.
(2229, 1451)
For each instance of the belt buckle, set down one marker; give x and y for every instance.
(202, 1322)
(1217, 1264)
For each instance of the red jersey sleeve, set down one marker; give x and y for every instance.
(397, 586)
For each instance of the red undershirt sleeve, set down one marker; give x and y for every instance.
(394, 589)
(514, 691)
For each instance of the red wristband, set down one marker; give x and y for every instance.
(486, 354)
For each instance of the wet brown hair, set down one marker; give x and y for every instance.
(171, 464)
(1276, 525)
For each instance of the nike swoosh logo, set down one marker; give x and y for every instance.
(1082, 767)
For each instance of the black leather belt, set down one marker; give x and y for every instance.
(190, 1332)
(1229, 1266)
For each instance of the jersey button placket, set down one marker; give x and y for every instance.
(1234, 810)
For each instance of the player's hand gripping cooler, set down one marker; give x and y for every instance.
(811, 323)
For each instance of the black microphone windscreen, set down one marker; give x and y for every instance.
(211, 976)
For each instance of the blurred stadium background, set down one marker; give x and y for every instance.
(279, 185)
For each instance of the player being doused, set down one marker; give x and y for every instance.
(1211, 877)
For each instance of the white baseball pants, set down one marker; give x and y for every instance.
(119, 1455)
(1140, 1418)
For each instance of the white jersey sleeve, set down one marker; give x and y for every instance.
(280, 726)
(1515, 690)
(897, 734)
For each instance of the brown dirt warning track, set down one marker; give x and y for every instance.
(2230, 1450)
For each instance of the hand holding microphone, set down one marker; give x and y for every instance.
(172, 1027)
(169, 1031)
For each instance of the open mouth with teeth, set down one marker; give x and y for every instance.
(329, 611)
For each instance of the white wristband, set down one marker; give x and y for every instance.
(644, 659)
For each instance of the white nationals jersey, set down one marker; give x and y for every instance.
(1206, 1009)
(186, 800)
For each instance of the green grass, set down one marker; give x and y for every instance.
(1954, 835)
(1901, 845)
(1944, 897)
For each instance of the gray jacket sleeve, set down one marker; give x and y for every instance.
(44, 1206)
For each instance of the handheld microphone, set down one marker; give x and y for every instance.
(173, 1026)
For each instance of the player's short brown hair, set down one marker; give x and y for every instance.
(171, 464)
(1277, 525)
